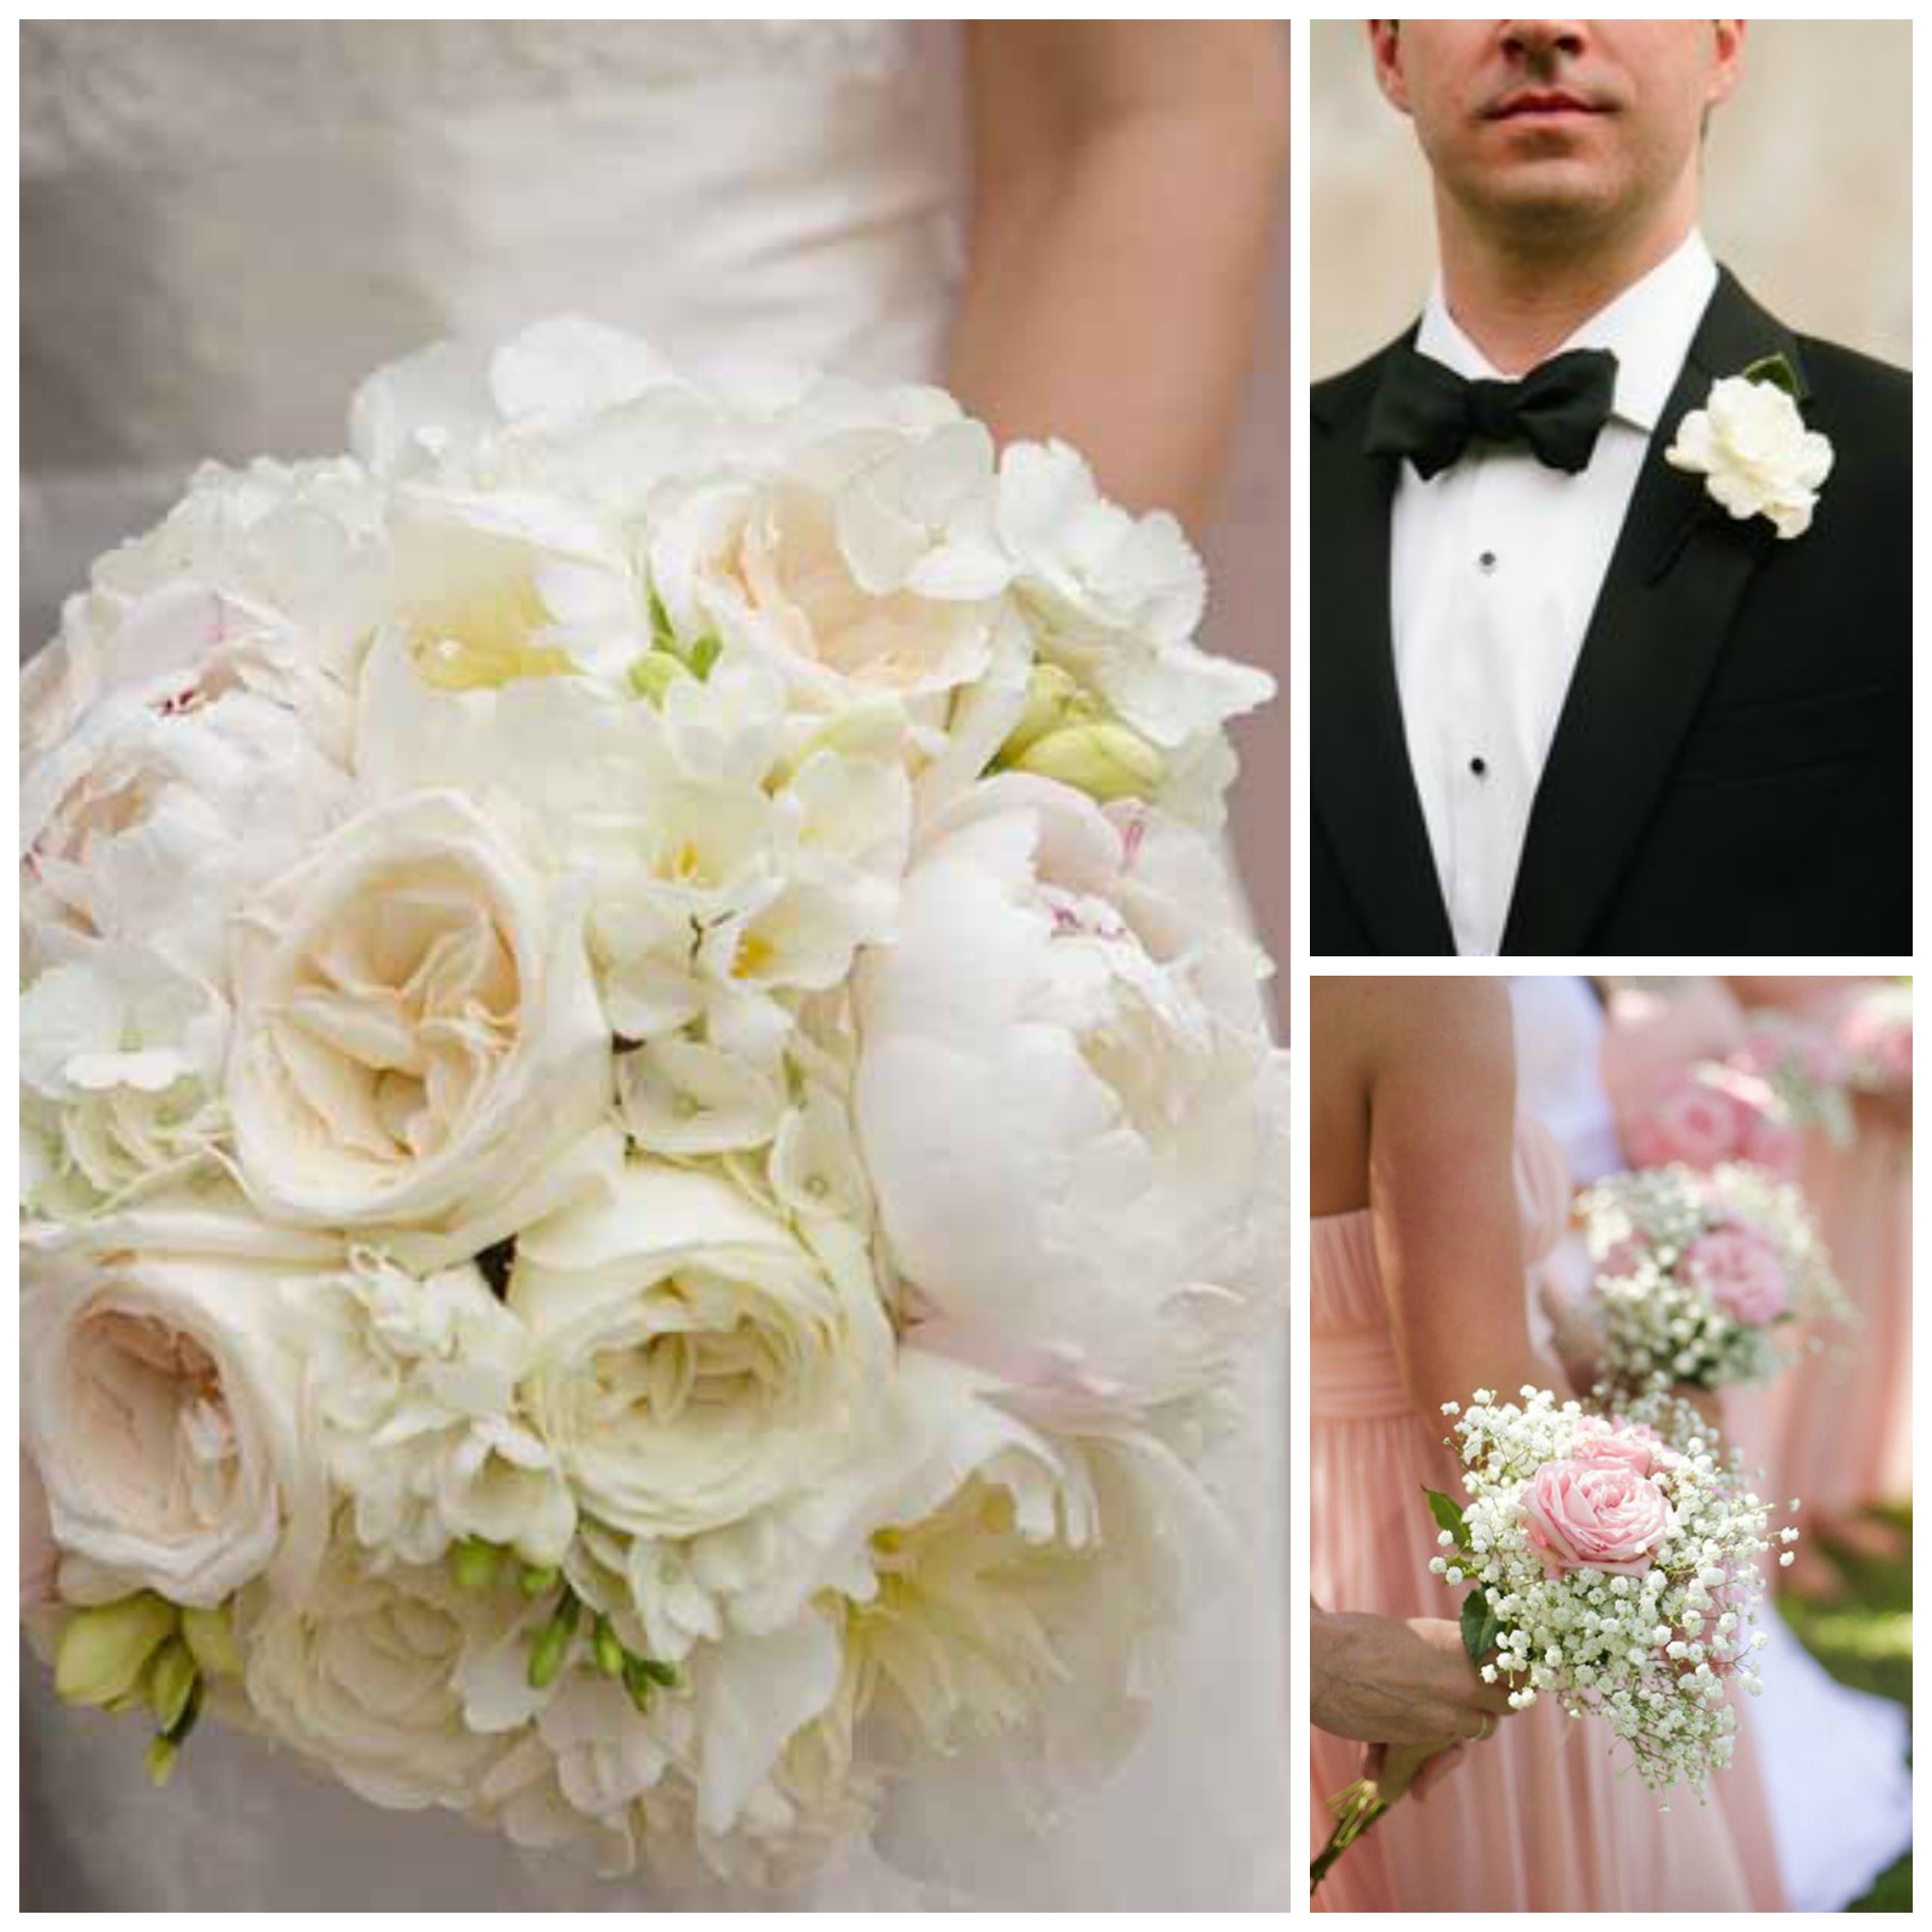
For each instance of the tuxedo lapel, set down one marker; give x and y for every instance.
(1362, 787)
(1672, 589)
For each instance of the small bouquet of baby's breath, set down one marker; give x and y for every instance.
(1699, 1277)
(1612, 1563)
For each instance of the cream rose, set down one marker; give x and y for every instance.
(417, 1027)
(161, 1408)
(692, 1360)
(362, 1677)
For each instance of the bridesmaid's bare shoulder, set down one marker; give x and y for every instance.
(1427, 1025)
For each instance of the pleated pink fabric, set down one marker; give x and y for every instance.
(1537, 1819)
(1839, 1422)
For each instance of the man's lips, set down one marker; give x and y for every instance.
(1539, 103)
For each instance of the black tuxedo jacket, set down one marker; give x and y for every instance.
(1731, 771)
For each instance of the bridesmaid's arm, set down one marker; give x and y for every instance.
(1126, 178)
(1442, 1191)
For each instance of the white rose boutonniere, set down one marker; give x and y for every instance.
(1751, 445)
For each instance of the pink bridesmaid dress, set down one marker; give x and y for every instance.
(1540, 1817)
(1840, 1421)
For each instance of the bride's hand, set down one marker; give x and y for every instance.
(1386, 1681)
(1411, 1769)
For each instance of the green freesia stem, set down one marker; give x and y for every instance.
(1355, 1810)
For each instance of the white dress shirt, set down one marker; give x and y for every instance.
(1495, 567)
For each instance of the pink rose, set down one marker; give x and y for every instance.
(1741, 1272)
(1713, 1114)
(1594, 1513)
(1626, 1446)
(1692, 1120)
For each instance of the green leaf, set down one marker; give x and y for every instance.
(1775, 370)
(1480, 1627)
(1448, 1515)
(662, 636)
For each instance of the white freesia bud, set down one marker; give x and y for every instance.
(1050, 696)
(104, 1651)
(1107, 761)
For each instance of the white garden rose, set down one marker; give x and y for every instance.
(769, 565)
(411, 1388)
(416, 1028)
(1751, 445)
(360, 1675)
(160, 1402)
(694, 1360)
(1065, 1095)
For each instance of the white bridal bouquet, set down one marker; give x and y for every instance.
(1613, 1564)
(1694, 1273)
(649, 1131)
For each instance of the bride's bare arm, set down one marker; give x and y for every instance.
(1125, 176)
(1442, 1189)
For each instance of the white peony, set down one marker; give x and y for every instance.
(1065, 1095)
(413, 1389)
(159, 1401)
(694, 1360)
(300, 543)
(360, 1675)
(207, 758)
(415, 1023)
(1751, 445)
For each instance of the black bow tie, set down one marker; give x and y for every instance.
(1427, 413)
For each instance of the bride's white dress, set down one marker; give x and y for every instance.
(224, 227)
(1832, 1758)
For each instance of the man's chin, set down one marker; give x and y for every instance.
(1549, 197)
